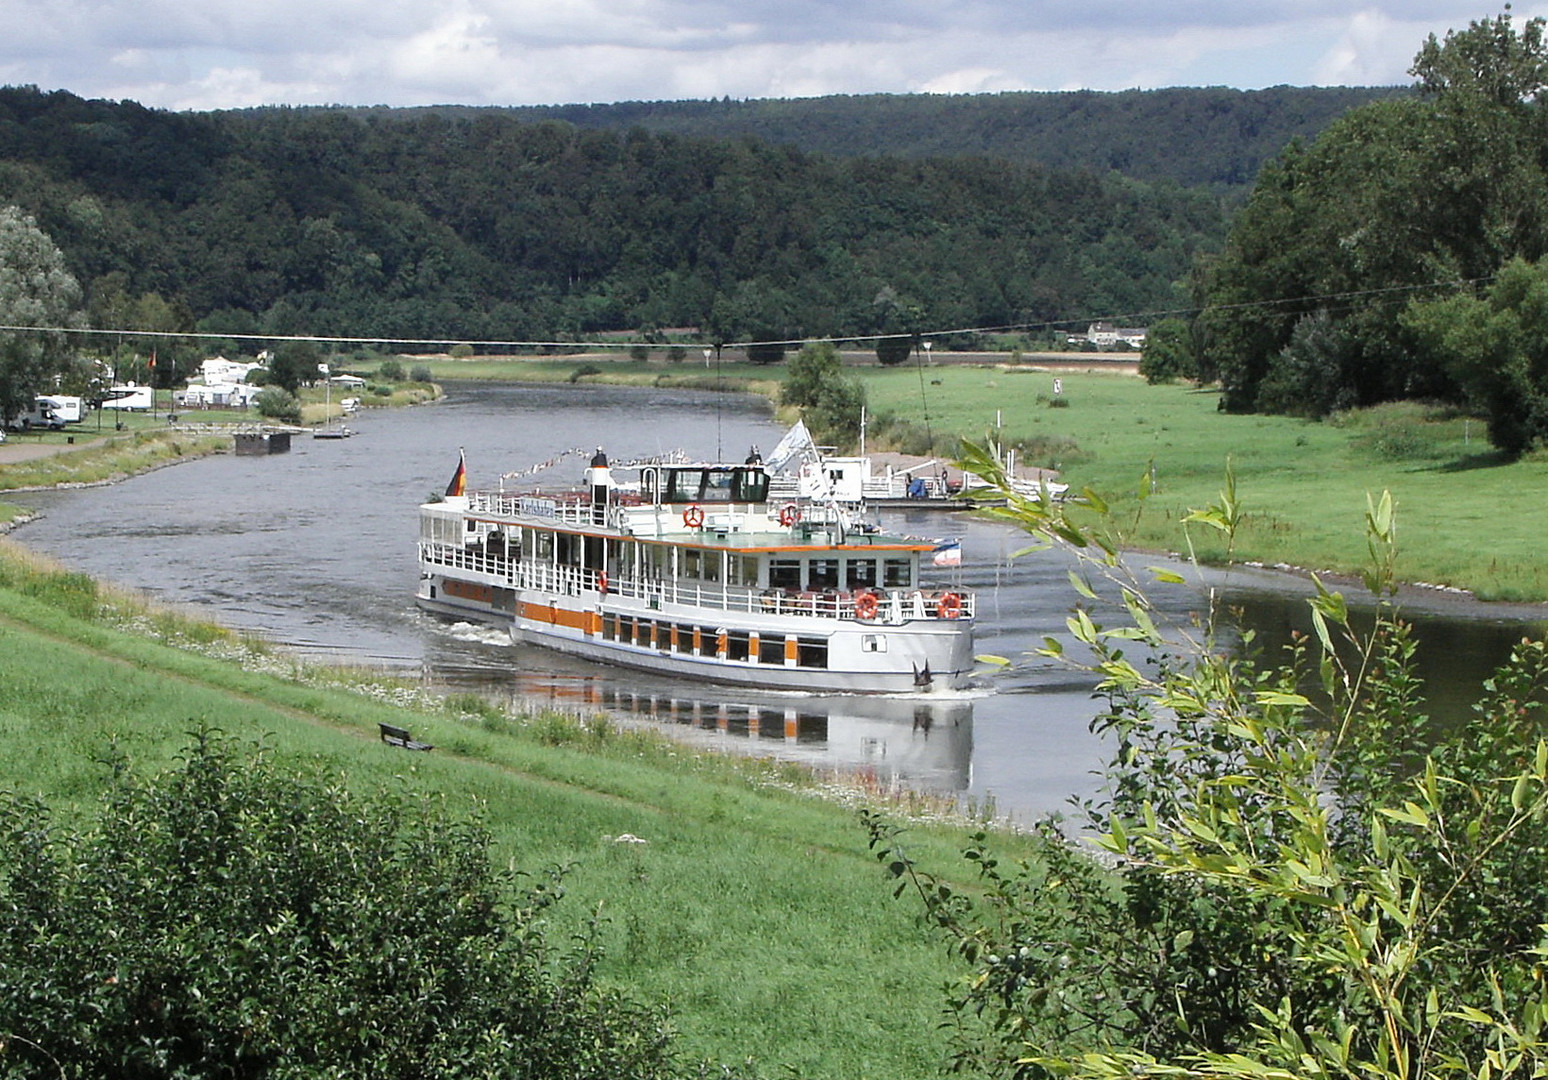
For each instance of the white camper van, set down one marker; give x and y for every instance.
(67, 407)
(41, 415)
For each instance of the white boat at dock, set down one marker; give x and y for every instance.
(690, 569)
(885, 480)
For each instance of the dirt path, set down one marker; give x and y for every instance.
(15, 450)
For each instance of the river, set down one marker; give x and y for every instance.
(314, 549)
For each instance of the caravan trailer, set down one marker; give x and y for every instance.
(131, 397)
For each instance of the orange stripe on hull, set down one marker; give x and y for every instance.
(587, 621)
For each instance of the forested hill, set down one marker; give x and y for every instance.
(1212, 136)
(486, 224)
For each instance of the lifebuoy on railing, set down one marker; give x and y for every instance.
(602, 582)
(866, 605)
(949, 606)
(693, 517)
(789, 514)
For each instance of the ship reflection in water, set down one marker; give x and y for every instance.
(922, 742)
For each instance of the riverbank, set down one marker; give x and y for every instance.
(751, 881)
(85, 455)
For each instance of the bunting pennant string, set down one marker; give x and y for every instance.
(673, 457)
(540, 466)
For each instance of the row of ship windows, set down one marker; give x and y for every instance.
(709, 641)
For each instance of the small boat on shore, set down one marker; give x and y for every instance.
(689, 569)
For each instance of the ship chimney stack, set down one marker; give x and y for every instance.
(599, 478)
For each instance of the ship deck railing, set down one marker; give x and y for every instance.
(893, 606)
(626, 514)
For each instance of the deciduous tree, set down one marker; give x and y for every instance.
(36, 290)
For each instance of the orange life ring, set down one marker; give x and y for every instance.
(789, 514)
(949, 606)
(866, 605)
(693, 517)
(602, 582)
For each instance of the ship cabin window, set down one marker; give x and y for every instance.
(859, 574)
(898, 573)
(771, 650)
(441, 530)
(812, 652)
(684, 485)
(653, 561)
(785, 574)
(697, 564)
(705, 485)
(543, 544)
(822, 574)
(569, 547)
(742, 570)
(751, 486)
(690, 563)
(717, 485)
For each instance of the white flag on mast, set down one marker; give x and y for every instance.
(796, 444)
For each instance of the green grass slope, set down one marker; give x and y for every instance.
(752, 907)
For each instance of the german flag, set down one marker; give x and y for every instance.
(459, 480)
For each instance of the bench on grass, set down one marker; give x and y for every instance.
(398, 736)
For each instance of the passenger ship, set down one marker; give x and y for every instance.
(689, 570)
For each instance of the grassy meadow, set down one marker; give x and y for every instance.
(753, 907)
(1465, 517)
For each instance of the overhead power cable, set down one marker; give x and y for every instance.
(1339, 299)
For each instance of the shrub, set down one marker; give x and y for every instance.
(766, 353)
(893, 350)
(585, 369)
(230, 919)
(421, 373)
(277, 403)
(390, 371)
(1305, 875)
(460, 351)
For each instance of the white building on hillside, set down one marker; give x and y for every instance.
(1105, 335)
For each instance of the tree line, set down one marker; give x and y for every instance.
(1214, 137)
(486, 226)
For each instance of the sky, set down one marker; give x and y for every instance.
(214, 54)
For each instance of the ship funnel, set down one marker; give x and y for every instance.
(599, 478)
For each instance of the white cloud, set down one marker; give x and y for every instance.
(216, 53)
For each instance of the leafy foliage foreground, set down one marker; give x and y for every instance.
(230, 919)
(1303, 875)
